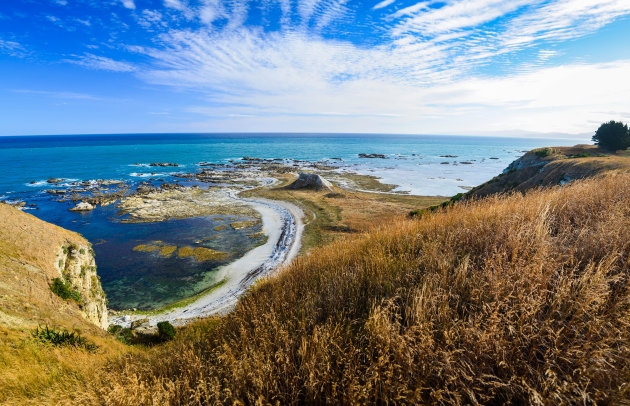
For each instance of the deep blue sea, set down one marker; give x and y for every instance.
(423, 165)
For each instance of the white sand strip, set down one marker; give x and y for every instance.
(282, 223)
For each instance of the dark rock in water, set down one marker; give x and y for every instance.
(379, 156)
(493, 158)
(170, 186)
(448, 156)
(311, 181)
(184, 175)
(253, 159)
(109, 182)
(163, 164)
(55, 191)
(466, 163)
(146, 189)
(444, 163)
(55, 180)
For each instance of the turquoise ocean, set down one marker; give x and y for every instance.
(422, 165)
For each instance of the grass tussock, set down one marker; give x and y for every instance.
(517, 300)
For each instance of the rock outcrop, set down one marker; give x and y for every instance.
(311, 181)
(76, 265)
(82, 206)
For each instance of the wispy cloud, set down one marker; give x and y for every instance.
(12, 48)
(102, 63)
(58, 94)
(420, 67)
(383, 4)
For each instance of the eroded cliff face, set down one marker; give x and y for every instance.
(32, 254)
(77, 266)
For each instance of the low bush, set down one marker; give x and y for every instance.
(543, 152)
(122, 334)
(62, 338)
(64, 290)
(166, 331)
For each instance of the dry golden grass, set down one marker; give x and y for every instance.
(333, 216)
(561, 165)
(516, 300)
(31, 372)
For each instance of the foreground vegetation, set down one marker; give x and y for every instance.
(519, 299)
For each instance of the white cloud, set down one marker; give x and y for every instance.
(151, 18)
(422, 77)
(128, 4)
(307, 79)
(102, 63)
(383, 4)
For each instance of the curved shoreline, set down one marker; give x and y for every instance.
(282, 223)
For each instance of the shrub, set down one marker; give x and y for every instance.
(580, 155)
(613, 135)
(122, 334)
(62, 337)
(64, 290)
(543, 152)
(166, 331)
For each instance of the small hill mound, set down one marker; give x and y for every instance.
(310, 181)
(545, 167)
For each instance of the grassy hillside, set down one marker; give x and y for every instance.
(517, 299)
(30, 369)
(553, 166)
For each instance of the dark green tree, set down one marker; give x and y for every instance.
(612, 135)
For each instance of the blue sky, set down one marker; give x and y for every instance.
(497, 67)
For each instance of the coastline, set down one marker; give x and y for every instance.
(282, 223)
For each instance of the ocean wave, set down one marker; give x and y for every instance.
(13, 201)
(142, 175)
(38, 183)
